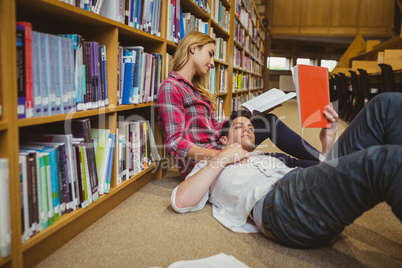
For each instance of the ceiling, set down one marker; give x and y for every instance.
(320, 28)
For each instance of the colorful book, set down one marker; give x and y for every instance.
(129, 57)
(102, 149)
(81, 128)
(20, 37)
(112, 142)
(312, 89)
(28, 68)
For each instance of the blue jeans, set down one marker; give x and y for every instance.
(311, 206)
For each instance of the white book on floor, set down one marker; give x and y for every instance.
(5, 222)
(215, 261)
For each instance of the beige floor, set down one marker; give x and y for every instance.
(144, 231)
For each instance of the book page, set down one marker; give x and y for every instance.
(276, 102)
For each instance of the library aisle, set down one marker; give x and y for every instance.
(144, 231)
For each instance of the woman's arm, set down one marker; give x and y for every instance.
(199, 153)
(191, 191)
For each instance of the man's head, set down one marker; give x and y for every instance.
(238, 128)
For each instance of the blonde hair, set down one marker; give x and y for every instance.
(181, 57)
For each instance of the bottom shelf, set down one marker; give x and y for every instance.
(49, 240)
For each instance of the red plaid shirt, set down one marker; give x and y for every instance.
(187, 119)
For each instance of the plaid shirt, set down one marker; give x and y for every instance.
(186, 119)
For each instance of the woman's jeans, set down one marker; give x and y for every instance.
(269, 126)
(313, 205)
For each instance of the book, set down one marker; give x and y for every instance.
(20, 37)
(112, 142)
(129, 63)
(5, 217)
(139, 54)
(102, 149)
(28, 68)
(25, 227)
(67, 141)
(312, 89)
(267, 100)
(81, 128)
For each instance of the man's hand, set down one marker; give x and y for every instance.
(232, 153)
(328, 135)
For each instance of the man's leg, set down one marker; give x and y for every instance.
(377, 124)
(270, 126)
(313, 205)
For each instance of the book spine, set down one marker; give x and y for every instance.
(21, 71)
(5, 216)
(43, 192)
(104, 72)
(28, 69)
(36, 74)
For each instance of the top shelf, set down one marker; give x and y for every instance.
(71, 17)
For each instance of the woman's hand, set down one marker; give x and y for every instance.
(328, 135)
(232, 153)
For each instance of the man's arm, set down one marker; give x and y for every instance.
(191, 191)
(328, 135)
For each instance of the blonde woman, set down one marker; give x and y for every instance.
(187, 110)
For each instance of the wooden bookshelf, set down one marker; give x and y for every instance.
(57, 17)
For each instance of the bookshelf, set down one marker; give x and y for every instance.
(57, 17)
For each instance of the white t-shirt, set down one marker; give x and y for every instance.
(236, 191)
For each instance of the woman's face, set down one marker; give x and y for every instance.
(203, 58)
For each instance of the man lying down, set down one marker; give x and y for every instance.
(302, 207)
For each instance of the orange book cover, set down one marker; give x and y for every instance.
(312, 89)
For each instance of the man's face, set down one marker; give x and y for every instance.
(242, 132)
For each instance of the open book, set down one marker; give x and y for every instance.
(267, 100)
(312, 88)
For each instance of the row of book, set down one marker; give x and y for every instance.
(242, 14)
(139, 75)
(175, 24)
(89, 5)
(245, 82)
(203, 4)
(220, 48)
(245, 62)
(220, 14)
(238, 100)
(144, 15)
(218, 80)
(60, 173)
(220, 113)
(5, 216)
(136, 148)
(58, 73)
(240, 33)
(191, 23)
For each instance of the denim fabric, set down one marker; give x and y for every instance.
(269, 126)
(313, 205)
(378, 123)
